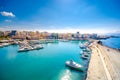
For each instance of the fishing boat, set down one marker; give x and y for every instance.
(74, 65)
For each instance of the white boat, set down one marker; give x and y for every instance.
(74, 65)
(84, 57)
(6, 44)
(38, 47)
(81, 52)
(28, 47)
(1, 45)
(82, 46)
(24, 49)
(85, 54)
(86, 44)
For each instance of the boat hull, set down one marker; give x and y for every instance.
(74, 65)
(73, 68)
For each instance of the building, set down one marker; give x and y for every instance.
(1, 33)
(94, 36)
(6, 33)
(12, 33)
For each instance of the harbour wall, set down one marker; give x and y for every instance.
(107, 69)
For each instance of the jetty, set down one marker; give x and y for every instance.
(104, 63)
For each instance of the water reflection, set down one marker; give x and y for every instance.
(66, 75)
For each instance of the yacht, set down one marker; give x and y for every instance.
(29, 46)
(24, 49)
(74, 65)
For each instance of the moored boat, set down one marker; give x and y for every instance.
(1, 45)
(85, 54)
(74, 65)
(81, 52)
(37, 47)
(82, 46)
(25, 46)
(24, 49)
(84, 57)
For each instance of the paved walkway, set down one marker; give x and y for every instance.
(96, 69)
(104, 65)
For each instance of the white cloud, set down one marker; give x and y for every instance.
(8, 20)
(7, 14)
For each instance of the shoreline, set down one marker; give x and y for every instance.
(104, 63)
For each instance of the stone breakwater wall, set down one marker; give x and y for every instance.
(95, 68)
(111, 60)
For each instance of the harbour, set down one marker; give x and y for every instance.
(59, 40)
(44, 64)
(75, 58)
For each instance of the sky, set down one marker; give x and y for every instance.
(85, 16)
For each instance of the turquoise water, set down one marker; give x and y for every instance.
(44, 64)
(112, 42)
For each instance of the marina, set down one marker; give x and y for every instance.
(45, 64)
(59, 40)
(86, 51)
(74, 64)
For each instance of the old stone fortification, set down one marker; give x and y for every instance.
(111, 58)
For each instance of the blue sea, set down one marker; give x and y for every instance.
(43, 64)
(112, 42)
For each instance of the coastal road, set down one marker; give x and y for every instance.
(104, 65)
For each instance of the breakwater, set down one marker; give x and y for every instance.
(104, 63)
